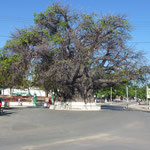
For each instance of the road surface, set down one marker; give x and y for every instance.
(44, 129)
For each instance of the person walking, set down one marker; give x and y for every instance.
(1, 100)
(1, 110)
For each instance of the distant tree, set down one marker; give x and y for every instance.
(6, 72)
(77, 53)
(119, 90)
(141, 92)
(12, 73)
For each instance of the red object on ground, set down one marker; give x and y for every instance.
(50, 101)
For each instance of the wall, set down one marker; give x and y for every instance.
(31, 90)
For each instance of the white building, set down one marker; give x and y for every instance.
(24, 92)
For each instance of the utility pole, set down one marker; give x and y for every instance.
(147, 95)
(111, 94)
(127, 93)
(135, 94)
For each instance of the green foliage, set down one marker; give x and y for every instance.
(103, 92)
(120, 90)
(57, 38)
(5, 68)
(25, 37)
(75, 52)
(141, 92)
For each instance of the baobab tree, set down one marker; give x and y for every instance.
(77, 53)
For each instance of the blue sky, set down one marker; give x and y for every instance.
(19, 14)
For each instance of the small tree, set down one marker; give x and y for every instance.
(6, 70)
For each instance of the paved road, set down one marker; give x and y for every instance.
(43, 129)
(118, 105)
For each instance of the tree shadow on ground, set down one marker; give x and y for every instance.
(108, 107)
(115, 108)
(6, 112)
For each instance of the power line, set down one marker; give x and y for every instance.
(127, 42)
(15, 17)
(5, 36)
(146, 42)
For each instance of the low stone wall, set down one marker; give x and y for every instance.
(75, 106)
(13, 104)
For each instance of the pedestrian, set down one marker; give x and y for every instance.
(50, 102)
(1, 100)
(1, 110)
